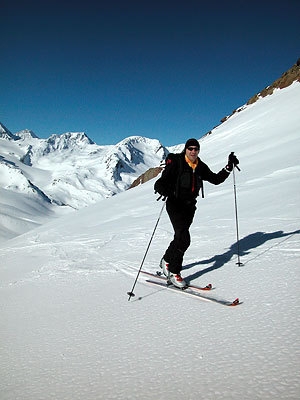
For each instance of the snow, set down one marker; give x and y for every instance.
(69, 332)
(63, 173)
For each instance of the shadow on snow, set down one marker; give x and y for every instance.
(245, 245)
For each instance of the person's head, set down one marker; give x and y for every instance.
(191, 149)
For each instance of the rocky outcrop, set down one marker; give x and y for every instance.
(150, 174)
(286, 79)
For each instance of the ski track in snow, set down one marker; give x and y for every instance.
(134, 348)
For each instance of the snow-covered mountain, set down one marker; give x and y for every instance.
(68, 331)
(63, 173)
(45, 178)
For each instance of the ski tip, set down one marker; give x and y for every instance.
(208, 287)
(235, 302)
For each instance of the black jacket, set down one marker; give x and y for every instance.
(180, 182)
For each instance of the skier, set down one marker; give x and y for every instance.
(179, 185)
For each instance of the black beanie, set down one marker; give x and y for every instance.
(192, 142)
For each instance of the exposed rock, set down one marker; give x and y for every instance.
(145, 177)
(286, 79)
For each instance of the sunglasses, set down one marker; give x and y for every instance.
(193, 148)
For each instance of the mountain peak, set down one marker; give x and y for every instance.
(69, 139)
(6, 134)
(26, 134)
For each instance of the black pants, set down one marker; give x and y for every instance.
(181, 217)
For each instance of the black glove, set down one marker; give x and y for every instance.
(232, 162)
(161, 197)
(160, 188)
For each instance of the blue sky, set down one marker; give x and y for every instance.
(165, 70)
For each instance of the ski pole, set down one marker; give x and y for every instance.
(239, 263)
(131, 294)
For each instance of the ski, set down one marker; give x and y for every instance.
(162, 277)
(194, 293)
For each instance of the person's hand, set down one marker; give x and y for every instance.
(161, 197)
(232, 162)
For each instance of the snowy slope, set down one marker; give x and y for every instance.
(68, 331)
